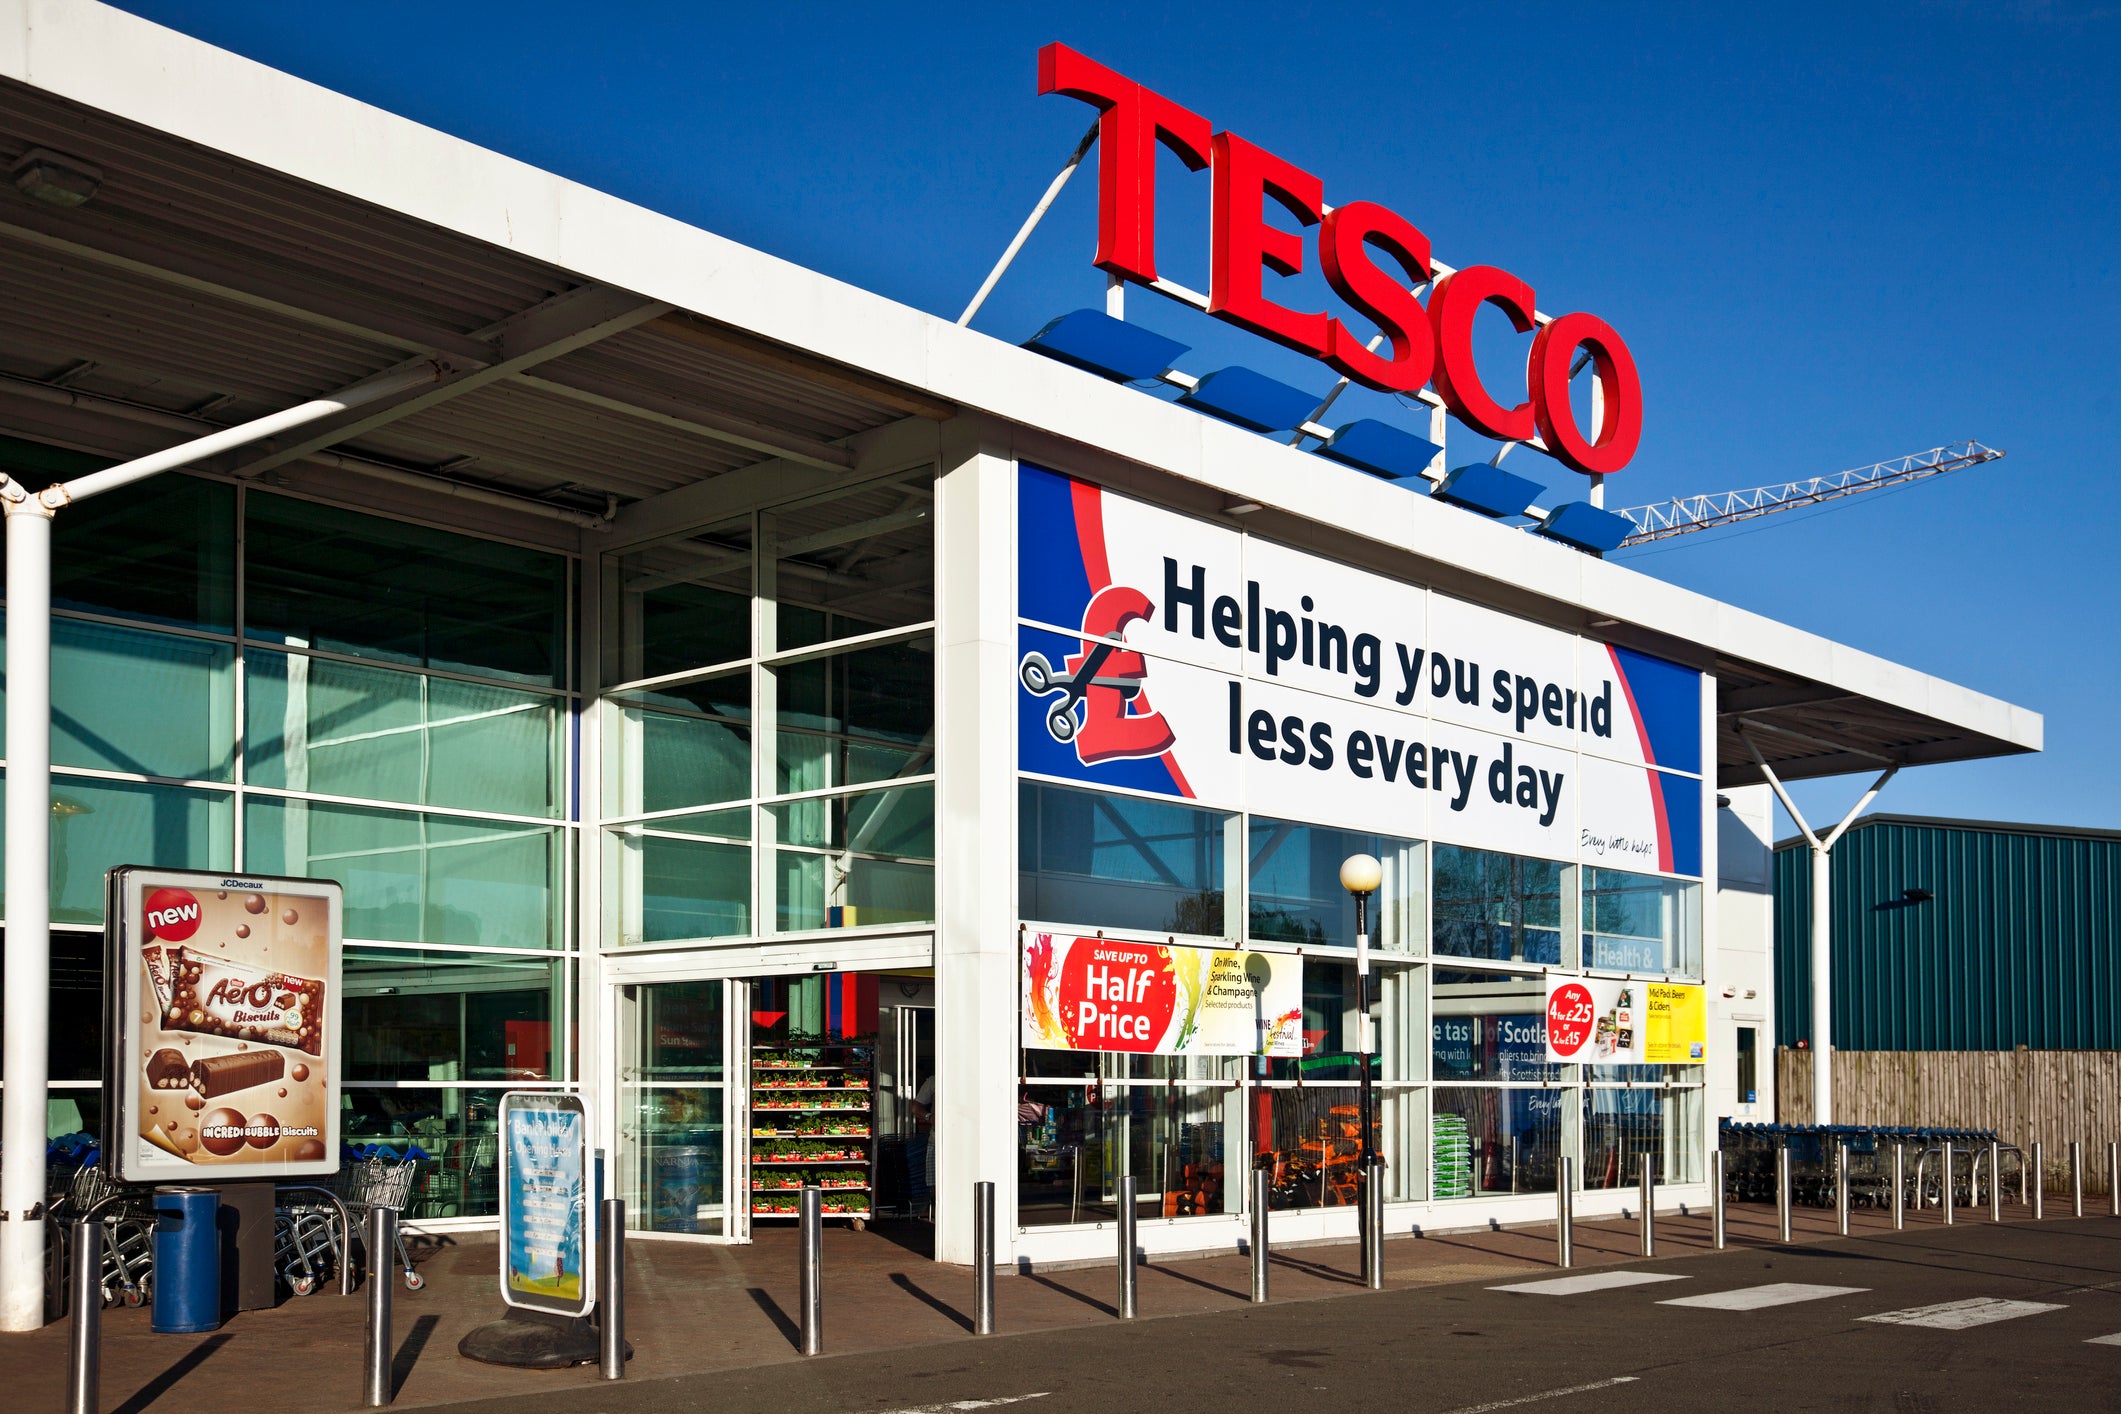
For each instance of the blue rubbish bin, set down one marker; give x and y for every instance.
(187, 1289)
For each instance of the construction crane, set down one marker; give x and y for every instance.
(1688, 514)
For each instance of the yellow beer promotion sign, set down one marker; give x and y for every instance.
(1675, 1028)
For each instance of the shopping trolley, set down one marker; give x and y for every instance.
(126, 1214)
(382, 1180)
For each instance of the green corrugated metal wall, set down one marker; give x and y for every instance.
(2021, 945)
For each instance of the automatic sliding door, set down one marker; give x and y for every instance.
(672, 1085)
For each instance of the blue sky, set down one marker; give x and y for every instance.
(1830, 235)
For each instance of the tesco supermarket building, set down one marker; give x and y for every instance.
(707, 670)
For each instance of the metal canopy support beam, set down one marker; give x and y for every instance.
(1822, 927)
(544, 331)
(25, 1025)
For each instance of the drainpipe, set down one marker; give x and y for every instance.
(24, 1051)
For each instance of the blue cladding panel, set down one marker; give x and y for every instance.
(1093, 340)
(1381, 449)
(2018, 945)
(1251, 400)
(1587, 527)
(1489, 490)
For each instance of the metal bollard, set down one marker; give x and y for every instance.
(2039, 1181)
(1782, 1192)
(2113, 1180)
(1949, 1196)
(1262, 1186)
(1126, 1248)
(381, 1240)
(1899, 1187)
(2076, 1178)
(611, 1292)
(1372, 1215)
(1565, 1215)
(810, 1293)
(983, 1258)
(1841, 1188)
(1716, 1223)
(1995, 1182)
(1647, 1183)
(84, 1294)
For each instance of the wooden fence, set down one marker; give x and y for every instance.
(2055, 1097)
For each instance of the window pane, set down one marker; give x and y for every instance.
(164, 552)
(457, 1129)
(1497, 906)
(1110, 861)
(450, 1016)
(74, 1015)
(857, 717)
(681, 604)
(416, 878)
(342, 729)
(853, 860)
(97, 825)
(1489, 1026)
(1296, 892)
(697, 754)
(1621, 1128)
(1495, 1140)
(149, 703)
(1640, 923)
(690, 878)
(1075, 1142)
(318, 577)
(854, 563)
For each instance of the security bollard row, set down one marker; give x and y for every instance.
(1564, 1215)
(1262, 1186)
(1716, 1198)
(1125, 1305)
(983, 1258)
(381, 1240)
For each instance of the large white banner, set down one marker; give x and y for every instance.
(1161, 653)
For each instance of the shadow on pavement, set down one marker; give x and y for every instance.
(161, 1384)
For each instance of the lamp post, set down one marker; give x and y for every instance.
(1360, 874)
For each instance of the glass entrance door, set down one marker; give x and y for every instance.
(674, 1158)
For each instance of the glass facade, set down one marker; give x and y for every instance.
(1465, 1103)
(769, 731)
(248, 682)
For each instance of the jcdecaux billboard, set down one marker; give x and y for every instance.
(1162, 654)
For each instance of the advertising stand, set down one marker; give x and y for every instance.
(222, 1016)
(548, 1249)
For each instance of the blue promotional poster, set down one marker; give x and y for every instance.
(545, 1252)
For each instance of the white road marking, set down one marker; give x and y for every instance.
(2104, 1340)
(1589, 1281)
(1963, 1315)
(1547, 1394)
(1757, 1298)
(970, 1404)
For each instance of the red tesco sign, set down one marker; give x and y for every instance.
(1421, 346)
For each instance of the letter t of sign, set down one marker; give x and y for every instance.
(1132, 121)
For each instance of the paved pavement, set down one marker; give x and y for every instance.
(1935, 1318)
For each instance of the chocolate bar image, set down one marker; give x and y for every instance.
(221, 1075)
(168, 1070)
(215, 997)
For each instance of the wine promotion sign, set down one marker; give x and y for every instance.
(1108, 994)
(1601, 1021)
(223, 999)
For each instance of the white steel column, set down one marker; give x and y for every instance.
(976, 946)
(25, 1064)
(1822, 930)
